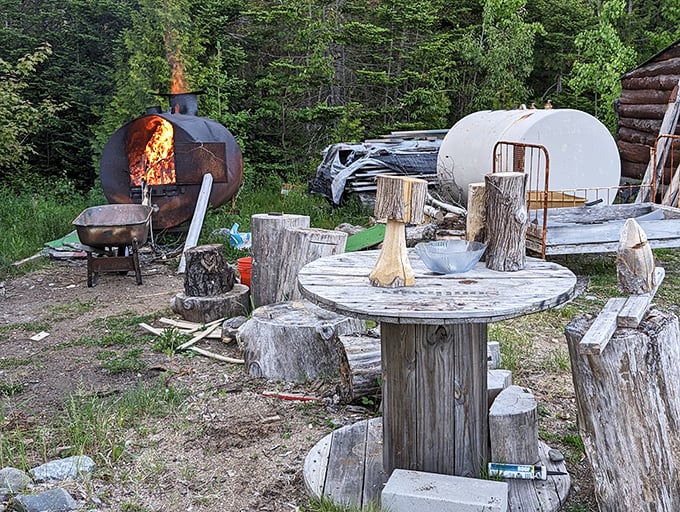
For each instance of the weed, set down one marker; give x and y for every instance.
(71, 310)
(325, 504)
(14, 362)
(516, 347)
(169, 340)
(10, 388)
(557, 360)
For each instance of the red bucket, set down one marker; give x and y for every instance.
(244, 265)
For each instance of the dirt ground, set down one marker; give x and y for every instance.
(230, 448)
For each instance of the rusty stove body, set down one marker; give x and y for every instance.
(199, 145)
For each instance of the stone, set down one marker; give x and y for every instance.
(54, 500)
(75, 467)
(13, 480)
(407, 490)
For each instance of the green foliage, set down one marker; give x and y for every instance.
(603, 58)
(169, 340)
(128, 361)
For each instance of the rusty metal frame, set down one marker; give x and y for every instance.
(514, 157)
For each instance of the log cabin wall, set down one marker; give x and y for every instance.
(645, 92)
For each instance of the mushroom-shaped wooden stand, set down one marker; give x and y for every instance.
(400, 200)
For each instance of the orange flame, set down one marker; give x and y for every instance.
(151, 152)
(178, 83)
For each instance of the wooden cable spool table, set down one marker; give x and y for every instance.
(433, 342)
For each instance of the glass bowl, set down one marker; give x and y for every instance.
(450, 256)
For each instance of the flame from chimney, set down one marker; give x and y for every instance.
(178, 83)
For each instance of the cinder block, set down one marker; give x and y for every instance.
(409, 491)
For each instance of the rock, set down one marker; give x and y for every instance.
(555, 455)
(13, 480)
(78, 466)
(54, 500)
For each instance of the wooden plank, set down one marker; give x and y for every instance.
(374, 474)
(151, 329)
(600, 332)
(636, 306)
(197, 219)
(315, 466)
(399, 383)
(345, 471)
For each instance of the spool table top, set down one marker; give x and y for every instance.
(340, 283)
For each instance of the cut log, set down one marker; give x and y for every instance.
(628, 408)
(475, 223)
(634, 260)
(400, 200)
(643, 96)
(207, 309)
(293, 341)
(513, 427)
(301, 246)
(207, 272)
(669, 66)
(506, 220)
(267, 237)
(657, 162)
(651, 82)
(360, 366)
(497, 381)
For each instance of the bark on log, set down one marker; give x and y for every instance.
(665, 82)
(293, 341)
(267, 232)
(632, 169)
(628, 405)
(360, 366)
(207, 272)
(513, 427)
(638, 153)
(301, 246)
(636, 136)
(646, 111)
(475, 224)
(206, 309)
(643, 96)
(644, 125)
(506, 220)
(669, 66)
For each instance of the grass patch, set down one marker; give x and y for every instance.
(10, 388)
(14, 362)
(128, 361)
(516, 346)
(71, 310)
(169, 340)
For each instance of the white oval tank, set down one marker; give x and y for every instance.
(582, 153)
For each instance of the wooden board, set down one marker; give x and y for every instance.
(340, 283)
(597, 229)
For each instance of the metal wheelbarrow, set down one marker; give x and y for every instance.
(111, 235)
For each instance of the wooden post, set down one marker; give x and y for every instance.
(400, 200)
(267, 233)
(628, 406)
(506, 220)
(300, 246)
(197, 219)
(475, 222)
(513, 427)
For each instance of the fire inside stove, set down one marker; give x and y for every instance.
(151, 151)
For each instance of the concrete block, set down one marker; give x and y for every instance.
(408, 491)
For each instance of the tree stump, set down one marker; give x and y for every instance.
(293, 341)
(235, 302)
(513, 427)
(475, 222)
(506, 220)
(628, 405)
(267, 231)
(300, 246)
(400, 200)
(207, 272)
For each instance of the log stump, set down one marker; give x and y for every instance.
(360, 366)
(207, 272)
(206, 309)
(513, 427)
(301, 246)
(267, 231)
(506, 220)
(293, 341)
(475, 222)
(628, 405)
